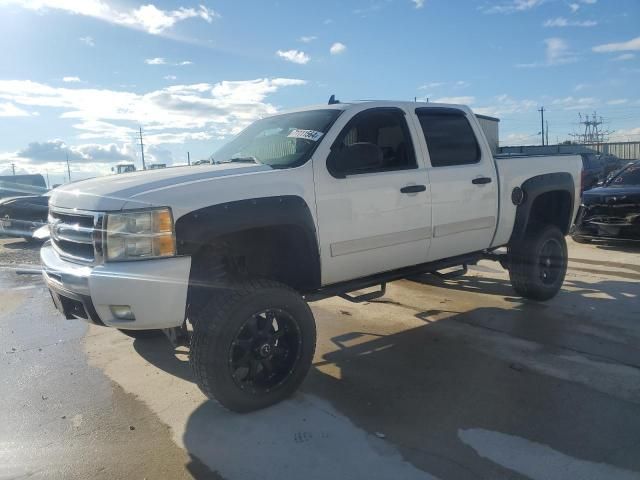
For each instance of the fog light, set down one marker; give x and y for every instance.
(122, 312)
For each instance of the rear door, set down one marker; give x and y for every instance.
(379, 218)
(464, 184)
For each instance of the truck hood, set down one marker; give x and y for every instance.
(112, 192)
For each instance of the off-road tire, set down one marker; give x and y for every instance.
(141, 334)
(215, 327)
(528, 267)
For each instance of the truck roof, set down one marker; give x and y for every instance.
(377, 103)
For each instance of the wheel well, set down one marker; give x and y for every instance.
(552, 208)
(283, 253)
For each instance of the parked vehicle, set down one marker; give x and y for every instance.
(21, 216)
(20, 185)
(318, 202)
(124, 168)
(155, 166)
(592, 170)
(612, 211)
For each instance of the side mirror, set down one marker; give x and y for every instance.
(354, 158)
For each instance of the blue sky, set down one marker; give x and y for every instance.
(78, 77)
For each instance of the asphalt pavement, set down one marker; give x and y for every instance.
(449, 379)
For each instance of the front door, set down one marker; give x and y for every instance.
(376, 218)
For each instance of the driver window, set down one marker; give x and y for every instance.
(384, 128)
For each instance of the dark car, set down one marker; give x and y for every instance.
(22, 185)
(21, 216)
(611, 211)
(591, 170)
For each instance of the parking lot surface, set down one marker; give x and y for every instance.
(449, 379)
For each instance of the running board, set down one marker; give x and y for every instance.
(454, 274)
(365, 297)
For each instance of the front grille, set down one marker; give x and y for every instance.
(73, 235)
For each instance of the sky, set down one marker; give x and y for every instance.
(78, 78)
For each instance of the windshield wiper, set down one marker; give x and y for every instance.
(247, 159)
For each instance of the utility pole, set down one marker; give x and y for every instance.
(144, 167)
(48, 182)
(13, 169)
(188, 159)
(541, 110)
(68, 169)
(547, 130)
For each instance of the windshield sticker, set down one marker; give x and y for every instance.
(306, 134)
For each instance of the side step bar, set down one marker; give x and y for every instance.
(343, 288)
(454, 274)
(365, 297)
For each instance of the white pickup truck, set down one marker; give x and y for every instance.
(322, 201)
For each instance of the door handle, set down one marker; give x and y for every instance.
(413, 188)
(481, 180)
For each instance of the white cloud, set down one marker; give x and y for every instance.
(170, 77)
(631, 45)
(563, 22)
(337, 48)
(557, 52)
(71, 79)
(580, 86)
(146, 17)
(430, 85)
(625, 135)
(502, 105)
(576, 6)
(155, 61)
(163, 61)
(513, 6)
(295, 56)
(88, 41)
(57, 150)
(455, 100)
(624, 57)
(307, 39)
(572, 103)
(618, 101)
(222, 108)
(418, 3)
(8, 109)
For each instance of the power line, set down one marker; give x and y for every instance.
(68, 169)
(144, 167)
(541, 110)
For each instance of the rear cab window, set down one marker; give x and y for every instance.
(449, 136)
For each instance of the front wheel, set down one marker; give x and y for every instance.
(252, 344)
(538, 263)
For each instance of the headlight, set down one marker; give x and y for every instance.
(138, 235)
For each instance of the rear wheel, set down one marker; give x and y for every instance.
(538, 263)
(252, 344)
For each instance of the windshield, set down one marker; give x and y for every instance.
(628, 176)
(281, 141)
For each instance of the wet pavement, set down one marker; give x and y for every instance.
(455, 379)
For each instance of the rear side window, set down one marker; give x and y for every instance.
(449, 136)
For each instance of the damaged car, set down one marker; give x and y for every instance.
(611, 211)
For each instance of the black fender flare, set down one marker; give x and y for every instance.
(533, 188)
(201, 227)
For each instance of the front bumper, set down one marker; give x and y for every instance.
(156, 290)
(18, 228)
(606, 226)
